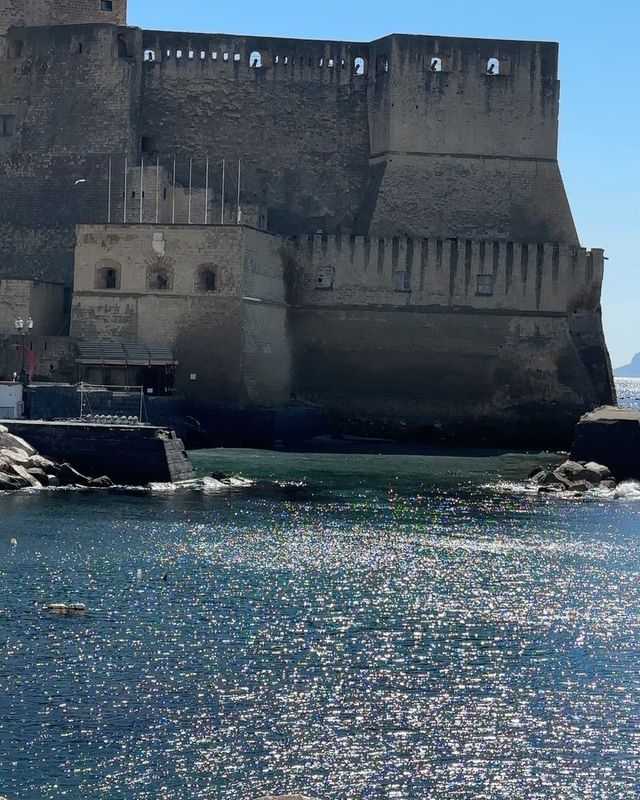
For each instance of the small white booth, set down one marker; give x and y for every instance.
(11, 404)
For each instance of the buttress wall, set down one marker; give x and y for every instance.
(73, 93)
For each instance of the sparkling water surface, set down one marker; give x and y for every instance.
(351, 627)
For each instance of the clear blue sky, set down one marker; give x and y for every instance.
(600, 110)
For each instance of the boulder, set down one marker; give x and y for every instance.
(12, 456)
(68, 476)
(101, 483)
(600, 469)
(8, 483)
(12, 442)
(40, 475)
(53, 481)
(26, 478)
(40, 462)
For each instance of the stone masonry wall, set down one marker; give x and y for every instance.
(60, 12)
(232, 338)
(74, 95)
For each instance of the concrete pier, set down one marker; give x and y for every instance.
(129, 454)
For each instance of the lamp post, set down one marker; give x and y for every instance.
(22, 329)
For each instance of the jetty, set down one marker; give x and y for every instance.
(133, 455)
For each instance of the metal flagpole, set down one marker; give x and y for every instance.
(239, 212)
(223, 189)
(157, 189)
(109, 192)
(173, 194)
(206, 193)
(142, 191)
(190, 184)
(126, 169)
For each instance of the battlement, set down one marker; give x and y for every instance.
(23, 13)
(404, 272)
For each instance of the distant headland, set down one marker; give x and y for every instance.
(631, 370)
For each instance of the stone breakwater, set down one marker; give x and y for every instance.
(577, 477)
(22, 467)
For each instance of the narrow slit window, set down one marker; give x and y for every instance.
(225, 57)
(236, 57)
(178, 53)
(8, 125)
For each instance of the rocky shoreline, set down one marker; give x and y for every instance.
(22, 467)
(576, 477)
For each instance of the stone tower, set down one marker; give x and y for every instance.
(23, 13)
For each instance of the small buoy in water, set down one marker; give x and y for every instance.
(14, 543)
(76, 608)
(139, 574)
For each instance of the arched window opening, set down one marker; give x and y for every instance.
(159, 278)
(330, 63)
(178, 53)
(225, 57)
(191, 55)
(493, 66)
(359, 67)
(123, 48)
(15, 48)
(203, 55)
(206, 281)
(107, 274)
(236, 57)
(255, 60)
(437, 65)
(149, 55)
(214, 56)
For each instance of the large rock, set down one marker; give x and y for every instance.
(610, 436)
(8, 483)
(25, 476)
(68, 476)
(12, 442)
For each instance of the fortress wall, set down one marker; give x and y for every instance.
(416, 273)
(72, 109)
(404, 335)
(59, 12)
(463, 110)
(463, 153)
(397, 372)
(301, 129)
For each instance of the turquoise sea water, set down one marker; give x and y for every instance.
(353, 626)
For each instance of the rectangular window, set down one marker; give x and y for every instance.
(402, 281)
(485, 285)
(106, 5)
(8, 125)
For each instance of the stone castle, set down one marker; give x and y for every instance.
(376, 229)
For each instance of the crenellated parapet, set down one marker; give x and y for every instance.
(405, 273)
